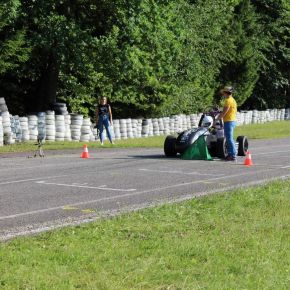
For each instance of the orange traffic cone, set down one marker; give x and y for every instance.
(248, 160)
(85, 153)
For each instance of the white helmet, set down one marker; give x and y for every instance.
(207, 122)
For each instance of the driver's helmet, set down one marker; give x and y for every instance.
(207, 122)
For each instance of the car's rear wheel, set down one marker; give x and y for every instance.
(222, 151)
(243, 145)
(169, 146)
(212, 149)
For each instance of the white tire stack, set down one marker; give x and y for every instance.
(166, 123)
(67, 122)
(123, 129)
(75, 127)
(41, 126)
(86, 130)
(172, 124)
(145, 128)
(287, 114)
(129, 128)
(116, 128)
(33, 127)
(1, 132)
(17, 129)
(3, 106)
(150, 127)
(139, 128)
(8, 135)
(282, 115)
(50, 126)
(134, 123)
(193, 120)
(155, 127)
(161, 126)
(59, 128)
(24, 129)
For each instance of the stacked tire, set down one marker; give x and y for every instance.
(145, 128)
(75, 127)
(33, 127)
(16, 128)
(3, 106)
(24, 129)
(155, 124)
(8, 135)
(1, 132)
(116, 128)
(67, 123)
(123, 129)
(59, 128)
(50, 126)
(41, 126)
(60, 108)
(86, 131)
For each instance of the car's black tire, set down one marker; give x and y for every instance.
(169, 146)
(221, 148)
(243, 145)
(213, 149)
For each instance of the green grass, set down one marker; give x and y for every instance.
(256, 131)
(156, 141)
(276, 129)
(237, 240)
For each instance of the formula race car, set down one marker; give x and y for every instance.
(213, 130)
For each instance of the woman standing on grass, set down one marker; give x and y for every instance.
(104, 118)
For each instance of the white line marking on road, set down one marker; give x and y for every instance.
(271, 152)
(124, 195)
(179, 172)
(102, 187)
(31, 179)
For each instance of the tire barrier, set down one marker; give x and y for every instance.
(75, 127)
(67, 123)
(41, 126)
(59, 125)
(60, 109)
(50, 130)
(1, 132)
(24, 129)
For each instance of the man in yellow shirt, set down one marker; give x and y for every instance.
(229, 116)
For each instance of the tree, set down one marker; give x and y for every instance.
(273, 86)
(242, 68)
(13, 49)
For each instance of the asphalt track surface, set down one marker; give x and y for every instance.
(39, 194)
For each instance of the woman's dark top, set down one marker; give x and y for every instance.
(103, 109)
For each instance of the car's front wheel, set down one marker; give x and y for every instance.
(169, 146)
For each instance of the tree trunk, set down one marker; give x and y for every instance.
(47, 88)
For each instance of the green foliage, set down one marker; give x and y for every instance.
(242, 68)
(149, 57)
(12, 39)
(272, 89)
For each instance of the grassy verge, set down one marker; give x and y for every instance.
(156, 141)
(255, 131)
(270, 130)
(238, 240)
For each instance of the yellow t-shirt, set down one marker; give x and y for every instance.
(231, 115)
